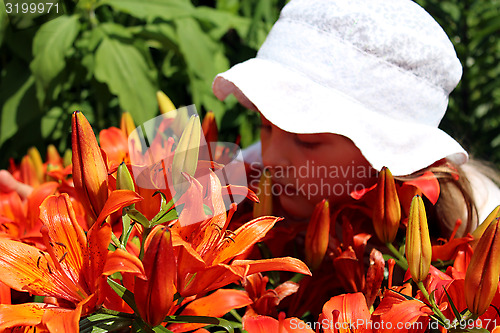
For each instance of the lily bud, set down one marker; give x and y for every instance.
(164, 102)
(210, 132)
(186, 154)
(481, 279)
(90, 173)
(387, 210)
(127, 124)
(53, 157)
(418, 242)
(318, 235)
(495, 213)
(181, 119)
(36, 158)
(68, 158)
(155, 296)
(265, 205)
(209, 127)
(28, 172)
(124, 180)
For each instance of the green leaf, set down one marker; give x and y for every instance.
(201, 320)
(223, 20)
(204, 55)
(115, 30)
(17, 95)
(148, 10)
(124, 293)
(52, 122)
(50, 45)
(4, 21)
(467, 330)
(167, 217)
(161, 329)
(205, 58)
(166, 213)
(453, 307)
(137, 216)
(125, 71)
(102, 322)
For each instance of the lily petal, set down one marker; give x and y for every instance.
(36, 198)
(122, 261)
(288, 264)
(215, 305)
(25, 268)
(68, 237)
(28, 314)
(352, 311)
(245, 236)
(63, 320)
(116, 201)
(99, 237)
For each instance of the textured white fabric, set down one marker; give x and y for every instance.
(376, 71)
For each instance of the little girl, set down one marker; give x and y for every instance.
(345, 88)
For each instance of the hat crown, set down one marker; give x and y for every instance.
(388, 55)
(399, 32)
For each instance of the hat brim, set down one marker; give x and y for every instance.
(296, 104)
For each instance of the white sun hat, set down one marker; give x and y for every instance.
(376, 71)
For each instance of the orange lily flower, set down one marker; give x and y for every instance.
(70, 269)
(398, 314)
(265, 301)
(207, 249)
(114, 143)
(345, 314)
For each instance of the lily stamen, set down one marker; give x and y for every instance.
(64, 256)
(61, 244)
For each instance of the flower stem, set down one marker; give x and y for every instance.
(236, 315)
(145, 233)
(431, 302)
(401, 259)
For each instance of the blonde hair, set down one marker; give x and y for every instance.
(456, 199)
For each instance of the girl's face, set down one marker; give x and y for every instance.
(307, 168)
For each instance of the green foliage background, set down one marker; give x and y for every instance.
(105, 56)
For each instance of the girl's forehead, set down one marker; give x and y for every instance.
(326, 137)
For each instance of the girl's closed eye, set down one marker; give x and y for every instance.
(307, 141)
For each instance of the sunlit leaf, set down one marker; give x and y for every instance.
(125, 70)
